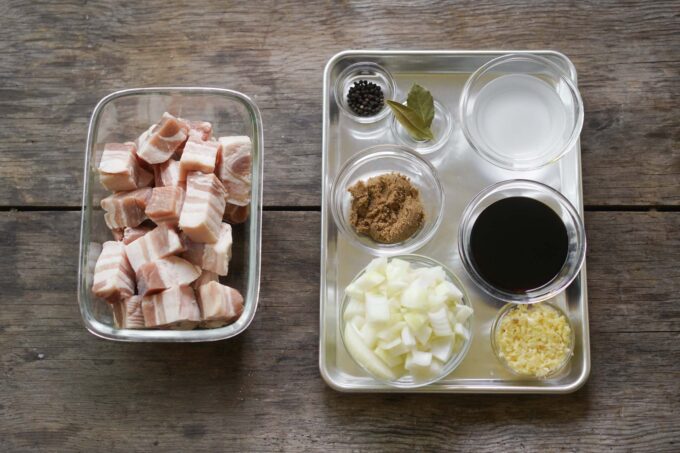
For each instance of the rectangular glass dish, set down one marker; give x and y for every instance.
(123, 116)
(463, 174)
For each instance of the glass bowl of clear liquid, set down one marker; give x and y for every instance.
(521, 112)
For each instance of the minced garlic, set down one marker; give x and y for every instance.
(533, 339)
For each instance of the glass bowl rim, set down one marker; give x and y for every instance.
(481, 150)
(453, 363)
(420, 238)
(494, 345)
(536, 295)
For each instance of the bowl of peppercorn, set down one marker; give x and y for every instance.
(361, 90)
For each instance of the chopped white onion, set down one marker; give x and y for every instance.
(377, 308)
(404, 320)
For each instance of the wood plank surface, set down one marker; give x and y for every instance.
(62, 389)
(58, 58)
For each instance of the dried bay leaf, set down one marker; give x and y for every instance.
(420, 100)
(411, 120)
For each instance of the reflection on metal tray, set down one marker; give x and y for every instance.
(463, 174)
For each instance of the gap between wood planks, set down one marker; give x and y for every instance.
(587, 208)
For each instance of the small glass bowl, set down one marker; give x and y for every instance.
(508, 104)
(441, 128)
(496, 349)
(378, 160)
(409, 381)
(371, 72)
(576, 250)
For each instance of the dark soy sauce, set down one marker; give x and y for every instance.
(518, 244)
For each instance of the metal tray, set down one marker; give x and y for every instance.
(463, 173)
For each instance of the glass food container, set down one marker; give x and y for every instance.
(123, 116)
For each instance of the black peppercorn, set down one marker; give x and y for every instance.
(365, 98)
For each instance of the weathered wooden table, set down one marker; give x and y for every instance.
(62, 389)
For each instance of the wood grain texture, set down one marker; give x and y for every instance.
(58, 58)
(61, 389)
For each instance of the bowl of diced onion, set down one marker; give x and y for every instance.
(406, 321)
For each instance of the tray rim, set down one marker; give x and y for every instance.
(478, 389)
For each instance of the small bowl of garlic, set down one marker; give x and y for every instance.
(406, 321)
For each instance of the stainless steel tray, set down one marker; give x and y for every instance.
(463, 173)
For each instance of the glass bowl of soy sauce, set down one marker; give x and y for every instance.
(521, 241)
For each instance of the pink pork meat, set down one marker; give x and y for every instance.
(213, 257)
(235, 168)
(205, 277)
(117, 233)
(162, 141)
(204, 128)
(198, 155)
(165, 204)
(160, 242)
(236, 214)
(167, 173)
(114, 279)
(126, 209)
(164, 273)
(203, 207)
(119, 170)
(127, 314)
(219, 304)
(175, 308)
(133, 233)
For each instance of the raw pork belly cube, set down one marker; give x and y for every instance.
(202, 127)
(237, 191)
(167, 173)
(145, 178)
(126, 209)
(236, 214)
(127, 314)
(161, 274)
(158, 243)
(141, 140)
(235, 168)
(175, 307)
(213, 257)
(118, 168)
(118, 233)
(113, 279)
(205, 277)
(219, 304)
(198, 155)
(165, 204)
(236, 156)
(203, 207)
(163, 140)
(133, 233)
